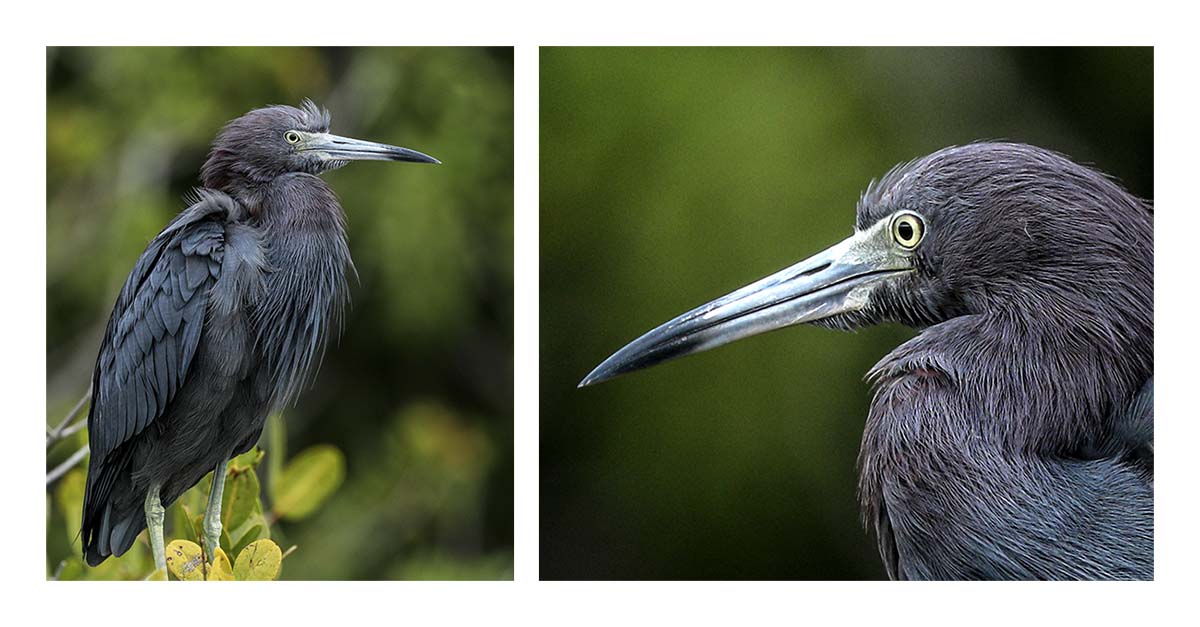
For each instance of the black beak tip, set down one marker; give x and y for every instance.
(412, 156)
(419, 158)
(641, 353)
(605, 371)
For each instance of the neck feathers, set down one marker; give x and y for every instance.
(307, 292)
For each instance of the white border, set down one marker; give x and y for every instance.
(28, 598)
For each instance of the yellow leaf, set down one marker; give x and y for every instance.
(157, 575)
(260, 561)
(185, 560)
(220, 569)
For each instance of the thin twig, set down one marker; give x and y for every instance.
(63, 430)
(62, 468)
(73, 429)
(74, 410)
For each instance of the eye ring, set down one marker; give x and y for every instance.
(908, 229)
(291, 137)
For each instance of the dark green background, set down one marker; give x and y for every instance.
(672, 176)
(418, 394)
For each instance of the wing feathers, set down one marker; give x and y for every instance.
(149, 345)
(156, 325)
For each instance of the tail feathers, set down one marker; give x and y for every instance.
(114, 535)
(103, 514)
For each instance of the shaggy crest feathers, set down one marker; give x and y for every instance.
(246, 153)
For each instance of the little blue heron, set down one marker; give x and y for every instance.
(223, 319)
(1012, 438)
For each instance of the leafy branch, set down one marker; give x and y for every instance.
(247, 549)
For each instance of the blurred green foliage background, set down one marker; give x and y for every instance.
(670, 176)
(418, 394)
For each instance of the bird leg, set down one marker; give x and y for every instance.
(212, 514)
(154, 527)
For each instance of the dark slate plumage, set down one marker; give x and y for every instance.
(160, 380)
(1013, 437)
(223, 319)
(999, 444)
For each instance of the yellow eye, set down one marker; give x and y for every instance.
(907, 230)
(292, 137)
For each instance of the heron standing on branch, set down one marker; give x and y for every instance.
(223, 320)
(1013, 437)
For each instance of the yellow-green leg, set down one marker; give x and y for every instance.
(212, 514)
(154, 527)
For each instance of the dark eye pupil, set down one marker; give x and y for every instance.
(906, 231)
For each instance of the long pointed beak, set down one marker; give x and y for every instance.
(836, 280)
(338, 148)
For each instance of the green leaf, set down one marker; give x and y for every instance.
(185, 561)
(255, 528)
(72, 569)
(69, 496)
(181, 523)
(198, 527)
(260, 561)
(247, 460)
(196, 498)
(277, 444)
(240, 500)
(308, 479)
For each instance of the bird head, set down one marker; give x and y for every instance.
(268, 142)
(976, 229)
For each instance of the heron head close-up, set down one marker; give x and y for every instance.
(268, 142)
(985, 228)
